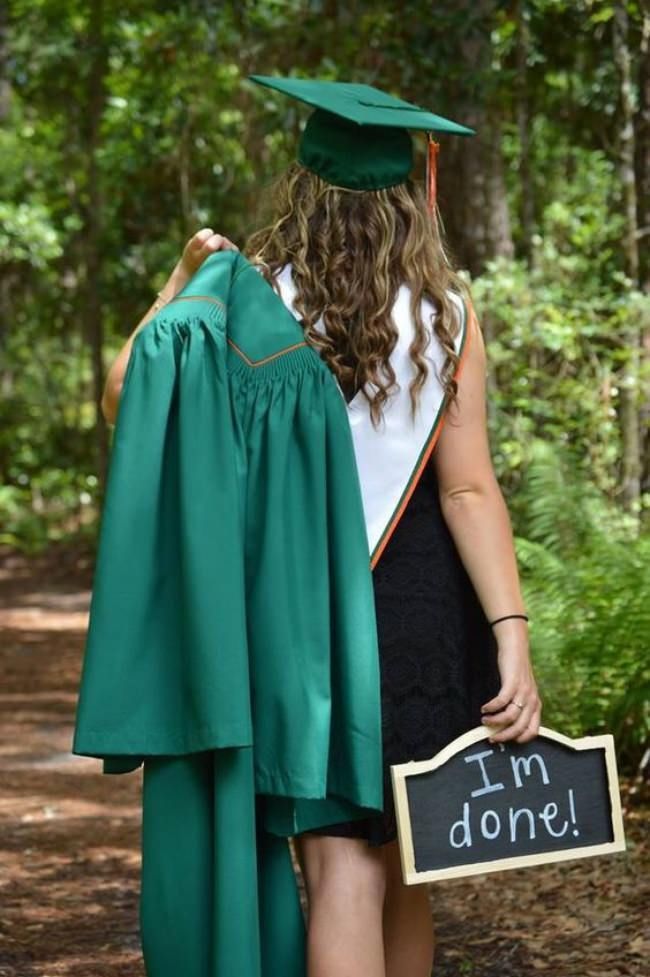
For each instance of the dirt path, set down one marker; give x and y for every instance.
(69, 836)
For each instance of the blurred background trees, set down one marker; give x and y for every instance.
(126, 127)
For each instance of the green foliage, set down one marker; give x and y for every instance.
(183, 141)
(49, 485)
(26, 234)
(586, 580)
(557, 334)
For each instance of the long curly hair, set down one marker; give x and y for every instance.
(350, 252)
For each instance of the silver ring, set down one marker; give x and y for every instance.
(518, 704)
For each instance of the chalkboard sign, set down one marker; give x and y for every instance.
(480, 807)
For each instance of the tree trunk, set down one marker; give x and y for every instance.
(629, 383)
(5, 99)
(527, 198)
(642, 142)
(642, 139)
(472, 193)
(93, 323)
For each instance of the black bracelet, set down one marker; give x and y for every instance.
(507, 616)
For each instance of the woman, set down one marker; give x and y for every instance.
(356, 267)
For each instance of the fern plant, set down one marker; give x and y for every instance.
(585, 574)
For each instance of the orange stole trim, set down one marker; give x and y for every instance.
(425, 453)
(266, 359)
(197, 298)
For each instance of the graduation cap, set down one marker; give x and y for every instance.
(358, 137)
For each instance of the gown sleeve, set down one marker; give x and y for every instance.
(163, 669)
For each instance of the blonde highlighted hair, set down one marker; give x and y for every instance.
(350, 252)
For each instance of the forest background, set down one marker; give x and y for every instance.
(125, 127)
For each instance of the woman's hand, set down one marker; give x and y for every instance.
(200, 246)
(518, 684)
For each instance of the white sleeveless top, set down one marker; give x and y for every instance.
(391, 458)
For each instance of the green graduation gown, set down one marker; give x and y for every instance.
(232, 643)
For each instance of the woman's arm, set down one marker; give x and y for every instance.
(477, 516)
(204, 243)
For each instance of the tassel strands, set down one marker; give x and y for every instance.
(433, 149)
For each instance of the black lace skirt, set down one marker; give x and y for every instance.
(437, 651)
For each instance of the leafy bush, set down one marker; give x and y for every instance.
(586, 582)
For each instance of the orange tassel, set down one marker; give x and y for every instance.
(432, 167)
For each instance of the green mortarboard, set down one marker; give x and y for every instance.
(358, 137)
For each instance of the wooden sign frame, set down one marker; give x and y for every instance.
(400, 771)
